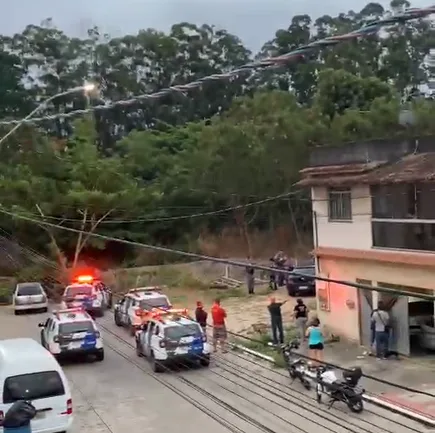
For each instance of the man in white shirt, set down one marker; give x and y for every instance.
(381, 321)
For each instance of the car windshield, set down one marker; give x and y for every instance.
(32, 386)
(306, 271)
(180, 331)
(72, 291)
(73, 327)
(29, 289)
(148, 304)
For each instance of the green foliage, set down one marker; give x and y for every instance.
(127, 171)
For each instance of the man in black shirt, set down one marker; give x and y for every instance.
(276, 320)
(201, 316)
(301, 316)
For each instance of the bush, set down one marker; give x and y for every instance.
(5, 295)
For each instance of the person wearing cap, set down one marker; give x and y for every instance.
(276, 320)
(201, 316)
(301, 316)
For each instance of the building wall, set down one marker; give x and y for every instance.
(356, 234)
(343, 320)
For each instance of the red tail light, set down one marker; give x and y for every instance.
(69, 407)
(162, 343)
(138, 313)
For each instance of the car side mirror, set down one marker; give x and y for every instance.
(41, 325)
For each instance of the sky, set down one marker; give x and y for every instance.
(254, 21)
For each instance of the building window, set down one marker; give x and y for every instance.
(411, 235)
(403, 201)
(339, 205)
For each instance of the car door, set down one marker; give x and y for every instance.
(44, 332)
(123, 310)
(148, 338)
(131, 310)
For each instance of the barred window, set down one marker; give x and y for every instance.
(340, 205)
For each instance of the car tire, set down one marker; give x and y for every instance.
(155, 365)
(138, 350)
(204, 361)
(100, 356)
(44, 310)
(117, 321)
(17, 312)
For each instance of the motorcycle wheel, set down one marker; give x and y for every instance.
(356, 404)
(292, 373)
(319, 392)
(307, 385)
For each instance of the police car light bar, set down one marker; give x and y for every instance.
(85, 279)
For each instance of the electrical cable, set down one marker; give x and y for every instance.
(235, 263)
(301, 405)
(300, 53)
(236, 367)
(215, 259)
(219, 401)
(177, 218)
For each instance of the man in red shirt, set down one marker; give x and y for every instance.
(219, 315)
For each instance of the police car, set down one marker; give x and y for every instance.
(86, 293)
(172, 337)
(71, 332)
(132, 309)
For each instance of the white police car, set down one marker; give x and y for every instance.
(72, 332)
(133, 306)
(172, 337)
(86, 295)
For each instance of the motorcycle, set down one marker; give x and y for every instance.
(345, 390)
(297, 367)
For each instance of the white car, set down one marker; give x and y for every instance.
(172, 337)
(85, 295)
(72, 332)
(29, 297)
(130, 309)
(29, 372)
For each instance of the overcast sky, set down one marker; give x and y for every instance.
(254, 21)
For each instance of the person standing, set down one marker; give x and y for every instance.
(272, 277)
(315, 342)
(201, 316)
(250, 277)
(276, 320)
(381, 320)
(301, 316)
(219, 315)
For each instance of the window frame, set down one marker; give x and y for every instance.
(336, 196)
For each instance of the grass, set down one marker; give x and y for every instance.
(260, 343)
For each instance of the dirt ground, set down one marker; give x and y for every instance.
(189, 283)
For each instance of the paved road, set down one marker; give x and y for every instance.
(122, 394)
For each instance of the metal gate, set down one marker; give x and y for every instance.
(399, 340)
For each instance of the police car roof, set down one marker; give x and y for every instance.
(80, 285)
(177, 322)
(146, 293)
(66, 316)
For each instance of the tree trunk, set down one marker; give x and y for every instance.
(79, 239)
(60, 256)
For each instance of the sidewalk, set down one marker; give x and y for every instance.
(414, 373)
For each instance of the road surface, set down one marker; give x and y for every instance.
(235, 394)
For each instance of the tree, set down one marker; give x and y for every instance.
(70, 185)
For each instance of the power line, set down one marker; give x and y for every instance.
(216, 259)
(180, 217)
(302, 52)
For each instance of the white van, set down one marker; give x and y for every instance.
(30, 372)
